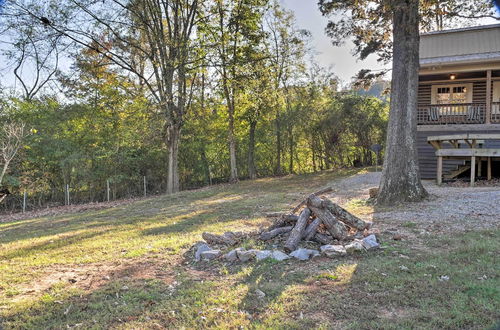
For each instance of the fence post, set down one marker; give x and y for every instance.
(24, 201)
(67, 192)
(107, 189)
(145, 187)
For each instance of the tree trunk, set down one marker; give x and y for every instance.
(173, 139)
(233, 176)
(400, 176)
(278, 170)
(206, 164)
(290, 141)
(313, 155)
(4, 170)
(252, 173)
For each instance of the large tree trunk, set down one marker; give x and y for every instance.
(400, 176)
(252, 173)
(173, 139)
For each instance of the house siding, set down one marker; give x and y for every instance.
(427, 157)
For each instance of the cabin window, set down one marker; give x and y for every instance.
(448, 99)
(451, 94)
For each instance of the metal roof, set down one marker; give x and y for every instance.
(468, 45)
(470, 28)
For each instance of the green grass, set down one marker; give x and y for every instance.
(132, 270)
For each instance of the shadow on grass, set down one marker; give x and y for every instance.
(365, 292)
(47, 245)
(218, 200)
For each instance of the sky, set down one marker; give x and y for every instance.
(344, 64)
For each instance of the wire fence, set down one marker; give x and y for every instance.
(82, 193)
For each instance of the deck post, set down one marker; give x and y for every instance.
(472, 170)
(489, 169)
(488, 97)
(440, 170)
(479, 163)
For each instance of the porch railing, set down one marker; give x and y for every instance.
(464, 113)
(495, 112)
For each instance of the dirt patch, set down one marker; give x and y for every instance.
(90, 277)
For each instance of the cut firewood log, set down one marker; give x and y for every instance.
(274, 214)
(298, 231)
(336, 228)
(304, 202)
(344, 216)
(228, 238)
(311, 229)
(283, 221)
(322, 238)
(275, 232)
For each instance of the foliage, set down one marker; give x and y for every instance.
(250, 94)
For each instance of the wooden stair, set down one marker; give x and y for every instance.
(453, 174)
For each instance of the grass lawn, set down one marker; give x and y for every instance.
(130, 267)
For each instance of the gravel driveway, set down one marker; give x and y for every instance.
(447, 208)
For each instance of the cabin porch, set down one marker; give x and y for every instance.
(453, 101)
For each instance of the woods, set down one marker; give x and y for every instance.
(183, 94)
(213, 92)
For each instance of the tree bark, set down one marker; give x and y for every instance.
(400, 176)
(322, 238)
(233, 176)
(206, 165)
(173, 139)
(278, 170)
(275, 232)
(252, 173)
(290, 141)
(336, 228)
(311, 229)
(344, 216)
(297, 231)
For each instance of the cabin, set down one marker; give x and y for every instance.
(459, 103)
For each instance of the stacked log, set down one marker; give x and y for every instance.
(319, 219)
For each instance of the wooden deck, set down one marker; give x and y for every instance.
(474, 151)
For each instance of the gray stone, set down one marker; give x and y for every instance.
(245, 256)
(304, 254)
(232, 255)
(200, 248)
(404, 268)
(333, 250)
(279, 256)
(259, 293)
(444, 278)
(355, 246)
(370, 242)
(261, 255)
(210, 255)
